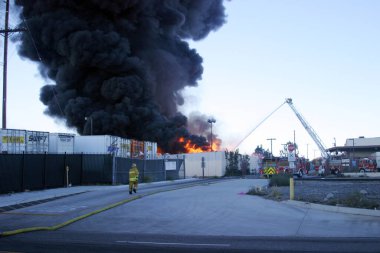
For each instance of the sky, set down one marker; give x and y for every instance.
(323, 54)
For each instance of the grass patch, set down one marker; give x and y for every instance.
(279, 180)
(355, 200)
(275, 193)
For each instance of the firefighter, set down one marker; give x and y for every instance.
(133, 178)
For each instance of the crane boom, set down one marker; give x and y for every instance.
(309, 129)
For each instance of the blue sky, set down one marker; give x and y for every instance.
(323, 54)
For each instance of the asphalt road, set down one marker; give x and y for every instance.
(65, 241)
(212, 217)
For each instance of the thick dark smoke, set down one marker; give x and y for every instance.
(122, 63)
(198, 124)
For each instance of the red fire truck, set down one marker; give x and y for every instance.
(367, 165)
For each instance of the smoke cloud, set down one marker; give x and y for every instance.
(198, 124)
(122, 63)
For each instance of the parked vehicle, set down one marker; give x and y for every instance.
(278, 165)
(367, 165)
(376, 158)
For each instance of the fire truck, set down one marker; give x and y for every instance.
(367, 165)
(277, 165)
(325, 156)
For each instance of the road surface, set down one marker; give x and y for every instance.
(200, 217)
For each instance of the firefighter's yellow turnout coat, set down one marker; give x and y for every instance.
(133, 178)
(133, 174)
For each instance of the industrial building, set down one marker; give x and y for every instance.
(355, 148)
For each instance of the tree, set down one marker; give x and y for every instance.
(244, 165)
(236, 164)
(260, 150)
(232, 163)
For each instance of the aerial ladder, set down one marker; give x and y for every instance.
(309, 129)
(306, 125)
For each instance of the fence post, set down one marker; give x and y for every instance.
(113, 168)
(44, 171)
(81, 169)
(184, 167)
(22, 172)
(164, 170)
(67, 176)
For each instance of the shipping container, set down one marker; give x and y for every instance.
(97, 144)
(125, 148)
(12, 141)
(150, 150)
(37, 142)
(137, 149)
(60, 143)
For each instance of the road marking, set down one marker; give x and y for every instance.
(179, 243)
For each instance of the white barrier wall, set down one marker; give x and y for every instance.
(215, 164)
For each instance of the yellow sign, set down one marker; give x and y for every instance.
(13, 139)
(270, 171)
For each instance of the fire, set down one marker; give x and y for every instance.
(190, 147)
(193, 148)
(159, 150)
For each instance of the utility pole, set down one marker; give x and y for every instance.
(271, 153)
(211, 120)
(6, 32)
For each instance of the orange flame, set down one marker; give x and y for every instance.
(193, 148)
(190, 147)
(159, 150)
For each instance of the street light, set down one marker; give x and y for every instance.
(212, 120)
(89, 118)
(271, 139)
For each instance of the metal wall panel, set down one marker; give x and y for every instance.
(12, 141)
(37, 142)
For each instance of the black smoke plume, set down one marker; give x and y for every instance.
(122, 63)
(198, 124)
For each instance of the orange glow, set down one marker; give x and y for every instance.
(216, 143)
(159, 150)
(190, 147)
(193, 148)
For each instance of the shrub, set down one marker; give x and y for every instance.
(359, 201)
(257, 190)
(355, 200)
(279, 180)
(275, 193)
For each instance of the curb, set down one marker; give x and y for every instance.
(336, 209)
